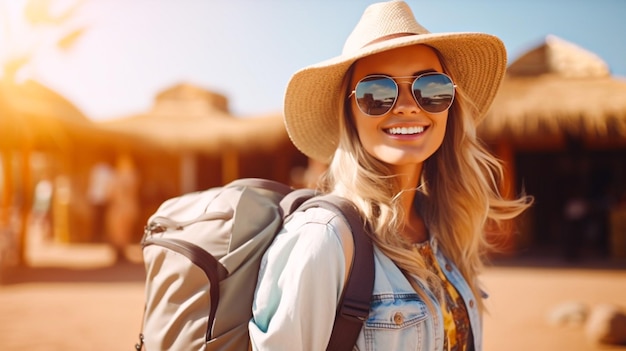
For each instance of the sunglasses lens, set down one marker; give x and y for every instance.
(376, 95)
(434, 92)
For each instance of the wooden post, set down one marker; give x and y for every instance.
(26, 203)
(188, 172)
(230, 165)
(6, 201)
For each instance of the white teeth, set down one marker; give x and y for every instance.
(405, 130)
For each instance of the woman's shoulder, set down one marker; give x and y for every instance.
(315, 217)
(318, 227)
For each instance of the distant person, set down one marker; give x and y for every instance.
(416, 172)
(123, 210)
(99, 193)
(576, 215)
(41, 209)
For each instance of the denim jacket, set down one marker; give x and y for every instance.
(300, 281)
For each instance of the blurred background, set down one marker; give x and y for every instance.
(110, 107)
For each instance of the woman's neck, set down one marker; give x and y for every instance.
(414, 228)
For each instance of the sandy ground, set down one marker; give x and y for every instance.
(521, 299)
(73, 298)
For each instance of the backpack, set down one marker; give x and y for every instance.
(216, 238)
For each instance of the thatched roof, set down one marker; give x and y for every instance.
(557, 89)
(559, 57)
(189, 118)
(36, 117)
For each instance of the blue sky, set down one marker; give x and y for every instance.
(248, 49)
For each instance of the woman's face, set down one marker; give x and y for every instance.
(405, 136)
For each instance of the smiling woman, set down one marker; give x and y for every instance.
(395, 123)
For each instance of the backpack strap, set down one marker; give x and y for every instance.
(354, 304)
(292, 201)
(263, 184)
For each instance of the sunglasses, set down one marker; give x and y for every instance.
(376, 94)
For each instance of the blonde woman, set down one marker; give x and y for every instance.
(395, 118)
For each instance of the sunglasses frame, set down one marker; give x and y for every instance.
(414, 79)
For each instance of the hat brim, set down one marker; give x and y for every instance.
(314, 100)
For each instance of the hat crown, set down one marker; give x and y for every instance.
(382, 21)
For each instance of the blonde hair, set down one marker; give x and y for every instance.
(458, 196)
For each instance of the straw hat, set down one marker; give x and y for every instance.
(314, 97)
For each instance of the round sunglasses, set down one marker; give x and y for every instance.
(376, 94)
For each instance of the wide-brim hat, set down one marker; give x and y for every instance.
(314, 98)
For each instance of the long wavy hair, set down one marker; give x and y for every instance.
(458, 196)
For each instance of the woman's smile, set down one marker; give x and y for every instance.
(405, 135)
(405, 131)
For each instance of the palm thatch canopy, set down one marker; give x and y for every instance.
(187, 118)
(557, 89)
(36, 117)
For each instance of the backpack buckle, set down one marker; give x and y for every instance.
(355, 310)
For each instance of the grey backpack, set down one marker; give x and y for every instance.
(202, 253)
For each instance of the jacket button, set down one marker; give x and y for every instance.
(398, 318)
(471, 303)
(448, 267)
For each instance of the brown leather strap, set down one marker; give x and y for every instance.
(355, 300)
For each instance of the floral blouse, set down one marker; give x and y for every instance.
(457, 329)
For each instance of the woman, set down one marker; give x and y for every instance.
(394, 117)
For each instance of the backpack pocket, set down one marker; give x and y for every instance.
(178, 302)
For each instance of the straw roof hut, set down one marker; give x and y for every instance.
(559, 124)
(43, 136)
(556, 90)
(188, 118)
(214, 146)
(38, 118)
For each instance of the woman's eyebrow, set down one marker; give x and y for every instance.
(415, 74)
(430, 70)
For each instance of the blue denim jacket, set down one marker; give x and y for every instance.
(302, 276)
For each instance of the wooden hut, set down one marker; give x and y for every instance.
(44, 137)
(559, 123)
(210, 146)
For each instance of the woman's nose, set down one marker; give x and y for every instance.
(405, 102)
